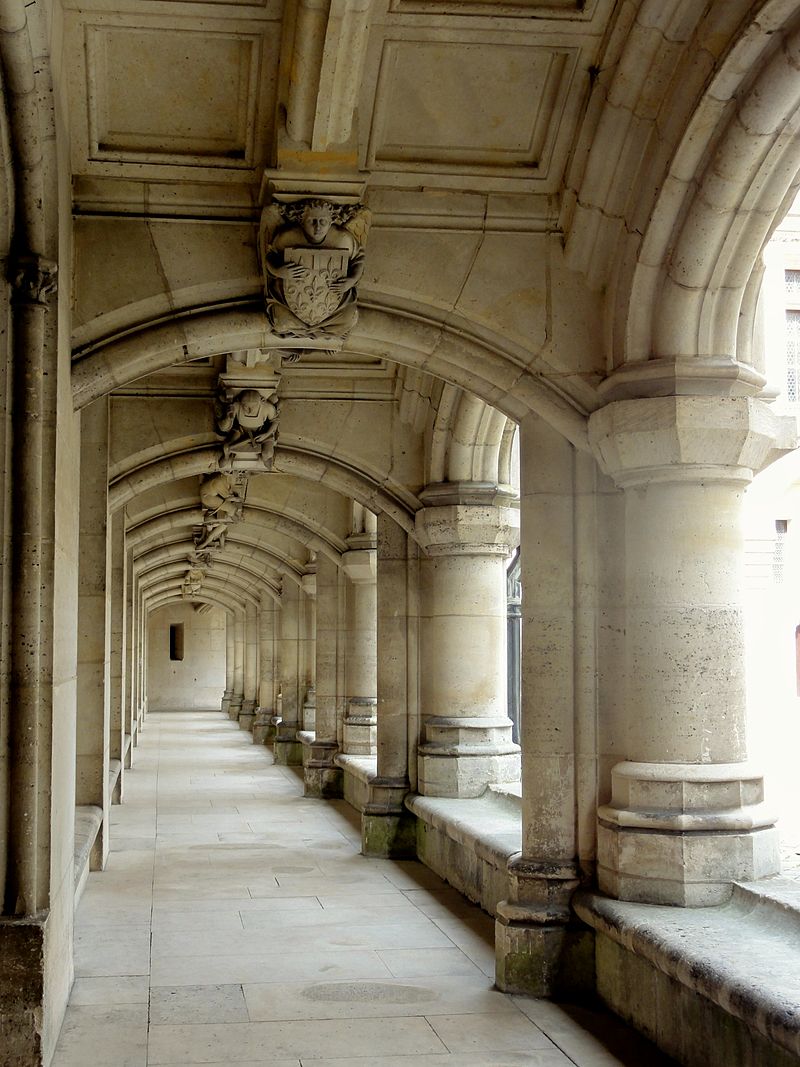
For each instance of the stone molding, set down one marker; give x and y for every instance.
(687, 438)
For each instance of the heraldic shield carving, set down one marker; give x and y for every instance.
(312, 255)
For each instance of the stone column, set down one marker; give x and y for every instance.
(322, 777)
(359, 727)
(467, 733)
(387, 829)
(94, 626)
(118, 650)
(248, 712)
(309, 587)
(230, 660)
(687, 815)
(237, 697)
(267, 673)
(287, 748)
(540, 949)
(128, 683)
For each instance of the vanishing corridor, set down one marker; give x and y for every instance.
(237, 923)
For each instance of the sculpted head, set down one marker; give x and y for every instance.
(317, 220)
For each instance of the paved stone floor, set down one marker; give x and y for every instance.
(236, 923)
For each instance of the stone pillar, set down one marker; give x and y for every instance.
(237, 696)
(248, 712)
(128, 679)
(267, 673)
(230, 660)
(309, 602)
(287, 748)
(387, 829)
(94, 626)
(687, 815)
(540, 949)
(118, 648)
(141, 697)
(359, 727)
(467, 733)
(322, 777)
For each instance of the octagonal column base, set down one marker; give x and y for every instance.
(462, 756)
(682, 834)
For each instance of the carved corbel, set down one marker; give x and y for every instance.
(312, 252)
(33, 278)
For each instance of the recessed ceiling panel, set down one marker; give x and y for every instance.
(171, 96)
(456, 104)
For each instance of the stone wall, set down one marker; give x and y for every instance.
(196, 681)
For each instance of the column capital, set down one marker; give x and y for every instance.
(688, 438)
(467, 530)
(360, 565)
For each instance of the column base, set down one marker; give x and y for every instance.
(247, 715)
(263, 729)
(286, 748)
(226, 702)
(360, 728)
(322, 779)
(543, 961)
(310, 710)
(22, 1007)
(461, 757)
(388, 829)
(682, 834)
(235, 708)
(541, 949)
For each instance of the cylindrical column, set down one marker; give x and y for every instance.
(93, 724)
(322, 776)
(686, 816)
(248, 712)
(287, 748)
(467, 733)
(128, 681)
(386, 828)
(230, 660)
(309, 602)
(118, 651)
(267, 670)
(361, 682)
(237, 697)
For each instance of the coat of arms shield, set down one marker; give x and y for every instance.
(310, 298)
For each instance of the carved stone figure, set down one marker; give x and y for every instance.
(312, 253)
(249, 423)
(222, 505)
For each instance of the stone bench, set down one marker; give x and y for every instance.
(717, 985)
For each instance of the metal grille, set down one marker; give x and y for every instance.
(791, 280)
(792, 354)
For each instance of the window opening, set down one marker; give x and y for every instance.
(176, 641)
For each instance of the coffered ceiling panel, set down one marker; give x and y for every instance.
(458, 104)
(155, 94)
(167, 95)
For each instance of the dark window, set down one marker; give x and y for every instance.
(176, 641)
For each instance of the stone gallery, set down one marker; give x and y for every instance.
(382, 381)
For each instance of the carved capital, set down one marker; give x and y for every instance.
(33, 278)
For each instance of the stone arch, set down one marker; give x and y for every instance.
(389, 497)
(432, 344)
(293, 526)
